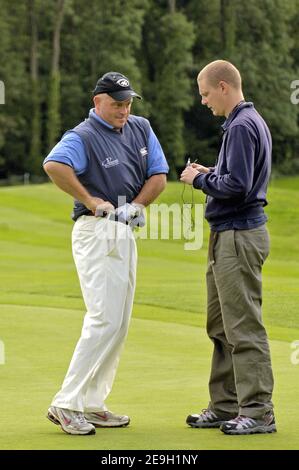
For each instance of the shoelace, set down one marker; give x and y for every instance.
(208, 414)
(79, 417)
(244, 420)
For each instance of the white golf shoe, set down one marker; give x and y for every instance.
(107, 419)
(71, 422)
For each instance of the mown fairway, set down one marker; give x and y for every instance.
(164, 369)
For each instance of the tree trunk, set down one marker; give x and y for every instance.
(171, 4)
(228, 27)
(34, 162)
(56, 36)
(54, 88)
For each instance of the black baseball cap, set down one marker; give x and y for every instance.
(115, 85)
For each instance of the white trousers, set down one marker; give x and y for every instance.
(105, 255)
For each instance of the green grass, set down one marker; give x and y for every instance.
(164, 369)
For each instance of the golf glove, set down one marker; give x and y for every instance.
(127, 212)
(138, 221)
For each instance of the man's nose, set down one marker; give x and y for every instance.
(204, 100)
(124, 109)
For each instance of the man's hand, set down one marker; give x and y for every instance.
(104, 209)
(189, 174)
(191, 171)
(98, 206)
(200, 168)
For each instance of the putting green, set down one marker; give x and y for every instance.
(164, 368)
(162, 378)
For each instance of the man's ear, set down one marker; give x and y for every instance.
(224, 86)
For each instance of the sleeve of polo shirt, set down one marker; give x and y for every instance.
(69, 151)
(156, 162)
(237, 182)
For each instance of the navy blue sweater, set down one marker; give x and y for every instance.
(237, 186)
(117, 160)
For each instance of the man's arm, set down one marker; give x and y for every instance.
(238, 180)
(151, 190)
(65, 178)
(156, 171)
(156, 182)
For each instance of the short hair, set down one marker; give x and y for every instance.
(219, 70)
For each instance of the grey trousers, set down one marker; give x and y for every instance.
(241, 380)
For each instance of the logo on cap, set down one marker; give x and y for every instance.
(123, 82)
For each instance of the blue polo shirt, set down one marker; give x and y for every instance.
(111, 165)
(236, 188)
(70, 151)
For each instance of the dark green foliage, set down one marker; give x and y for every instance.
(160, 45)
(53, 121)
(171, 85)
(34, 158)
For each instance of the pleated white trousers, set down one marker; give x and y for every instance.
(105, 255)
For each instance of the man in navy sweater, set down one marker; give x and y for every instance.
(241, 380)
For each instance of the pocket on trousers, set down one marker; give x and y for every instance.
(262, 243)
(93, 239)
(232, 244)
(253, 244)
(226, 245)
(235, 244)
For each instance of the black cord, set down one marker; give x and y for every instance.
(191, 204)
(192, 225)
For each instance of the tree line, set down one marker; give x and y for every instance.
(53, 52)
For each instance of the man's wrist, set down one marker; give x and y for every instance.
(92, 202)
(86, 200)
(89, 201)
(197, 182)
(137, 204)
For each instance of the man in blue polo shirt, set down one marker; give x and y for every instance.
(113, 165)
(241, 380)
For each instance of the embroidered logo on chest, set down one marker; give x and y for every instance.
(110, 161)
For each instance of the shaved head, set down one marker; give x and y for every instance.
(221, 70)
